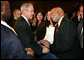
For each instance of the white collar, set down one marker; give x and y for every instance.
(60, 21)
(5, 24)
(24, 17)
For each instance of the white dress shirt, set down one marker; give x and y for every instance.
(5, 24)
(49, 34)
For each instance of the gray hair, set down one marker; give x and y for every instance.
(58, 10)
(25, 6)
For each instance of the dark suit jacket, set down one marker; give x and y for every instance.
(75, 20)
(80, 28)
(25, 35)
(11, 47)
(11, 21)
(66, 44)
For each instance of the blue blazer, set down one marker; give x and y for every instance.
(11, 47)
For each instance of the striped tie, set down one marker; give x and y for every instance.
(56, 28)
(13, 30)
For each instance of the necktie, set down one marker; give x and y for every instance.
(56, 28)
(13, 30)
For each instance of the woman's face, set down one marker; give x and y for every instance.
(49, 15)
(39, 16)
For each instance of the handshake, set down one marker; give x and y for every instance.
(45, 45)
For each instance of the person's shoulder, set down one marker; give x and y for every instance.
(66, 18)
(4, 27)
(7, 32)
(67, 21)
(20, 20)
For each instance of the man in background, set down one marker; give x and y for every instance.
(16, 15)
(80, 27)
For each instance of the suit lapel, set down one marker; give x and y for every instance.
(25, 22)
(59, 29)
(80, 27)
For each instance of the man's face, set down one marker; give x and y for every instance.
(54, 16)
(6, 11)
(81, 11)
(30, 12)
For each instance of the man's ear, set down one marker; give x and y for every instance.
(13, 13)
(2, 10)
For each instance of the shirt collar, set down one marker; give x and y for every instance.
(5, 24)
(26, 19)
(60, 21)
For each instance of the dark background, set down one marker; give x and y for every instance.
(68, 6)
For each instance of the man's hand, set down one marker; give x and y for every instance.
(45, 45)
(45, 50)
(29, 51)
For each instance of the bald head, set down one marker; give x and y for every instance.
(5, 10)
(56, 14)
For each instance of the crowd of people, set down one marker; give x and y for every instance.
(30, 35)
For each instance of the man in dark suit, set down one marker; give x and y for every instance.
(23, 28)
(66, 44)
(11, 47)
